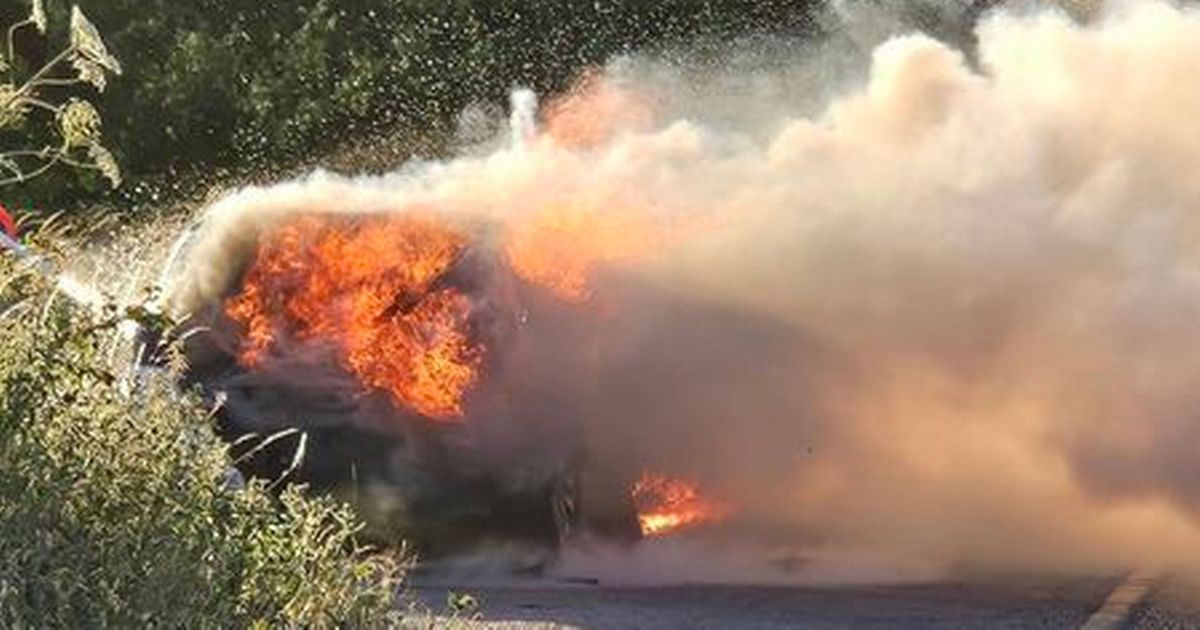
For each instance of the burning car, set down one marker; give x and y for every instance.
(402, 362)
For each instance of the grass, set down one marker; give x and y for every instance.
(115, 503)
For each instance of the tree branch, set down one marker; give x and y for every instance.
(41, 74)
(57, 82)
(24, 177)
(12, 31)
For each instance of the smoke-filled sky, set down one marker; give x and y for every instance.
(945, 307)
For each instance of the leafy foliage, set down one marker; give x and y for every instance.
(247, 84)
(115, 506)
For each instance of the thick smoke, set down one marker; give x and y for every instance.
(953, 314)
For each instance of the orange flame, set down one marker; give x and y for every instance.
(666, 505)
(369, 287)
(595, 110)
(561, 248)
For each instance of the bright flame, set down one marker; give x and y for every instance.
(371, 288)
(594, 111)
(561, 248)
(666, 505)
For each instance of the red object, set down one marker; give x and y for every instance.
(7, 224)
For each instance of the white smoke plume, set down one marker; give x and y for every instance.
(952, 313)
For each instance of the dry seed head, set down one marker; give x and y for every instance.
(85, 39)
(79, 123)
(37, 15)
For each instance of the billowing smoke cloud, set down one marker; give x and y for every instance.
(952, 314)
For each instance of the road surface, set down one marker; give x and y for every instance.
(984, 602)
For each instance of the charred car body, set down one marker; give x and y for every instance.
(507, 464)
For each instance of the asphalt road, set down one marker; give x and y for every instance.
(982, 602)
(1173, 604)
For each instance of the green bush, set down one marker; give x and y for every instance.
(249, 85)
(115, 509)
